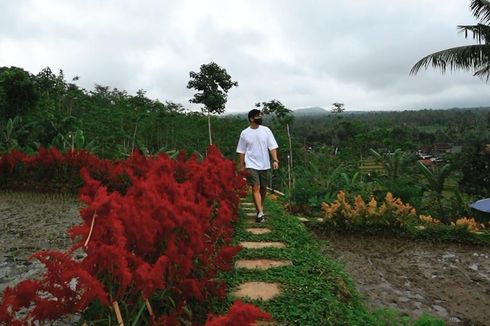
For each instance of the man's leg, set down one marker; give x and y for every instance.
(264, 177)
(263, 192)
(253, 180)
(258, 201)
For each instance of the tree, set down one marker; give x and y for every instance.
(337, 107)
(475, 170)
(213, 84)
(17, 92)
(472, 57)
(435, 183)
(283, 117)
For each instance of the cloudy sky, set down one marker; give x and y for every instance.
(301, 52)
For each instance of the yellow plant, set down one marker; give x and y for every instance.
(470, 223)
(391, 211)
(429, 219)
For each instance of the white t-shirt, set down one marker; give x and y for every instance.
(255, 144)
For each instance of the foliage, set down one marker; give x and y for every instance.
(435, 179)
(392, 213)
(17, 92)
(337, 108)
(393, 162)
(281, 116)
(394, 217)
(471, 57)
(213, 84)
(475, 169)
(155, 245)
(316, 289)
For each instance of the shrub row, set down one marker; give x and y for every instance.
(155, 234)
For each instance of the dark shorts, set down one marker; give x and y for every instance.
(261, 177)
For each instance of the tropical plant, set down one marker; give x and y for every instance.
(213, 84)
(393, 163)
(435, 182)
(471, 57)
(13, 131)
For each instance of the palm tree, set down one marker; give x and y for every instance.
(393, 164)
(435, 182)
(472, 57)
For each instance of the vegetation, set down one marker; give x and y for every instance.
(364, 153)
(213, 83)
(470, 57)
(316, 290)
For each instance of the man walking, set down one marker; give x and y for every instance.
(253, 149)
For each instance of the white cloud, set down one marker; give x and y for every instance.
(304, 53)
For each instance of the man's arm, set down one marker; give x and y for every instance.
(275, 161)
(241, 158)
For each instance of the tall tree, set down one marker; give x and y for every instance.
(472, 57)
(337, 107)
(212, 83)
(283, 117)
(17, 92)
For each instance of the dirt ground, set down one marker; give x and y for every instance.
(30, 222)
(449, 281)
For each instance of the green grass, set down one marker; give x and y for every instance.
(316, 289)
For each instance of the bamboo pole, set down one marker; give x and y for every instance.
(150, 310)
(91, 229)
(120, 321)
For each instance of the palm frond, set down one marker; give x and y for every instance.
(483, 73)
(481, 10)
(469, 57)
(481, 32)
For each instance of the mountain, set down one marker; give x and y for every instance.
(315, 110)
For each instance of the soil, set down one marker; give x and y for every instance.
(30, 222)
(447, 280)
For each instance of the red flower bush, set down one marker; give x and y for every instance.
(152, 226)
(240, 314)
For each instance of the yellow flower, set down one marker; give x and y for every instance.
(470, 223)
(428, 219)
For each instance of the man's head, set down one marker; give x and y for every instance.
(255, 116)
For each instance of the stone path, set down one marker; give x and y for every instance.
(258, 290)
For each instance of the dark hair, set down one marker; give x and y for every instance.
(253, 113)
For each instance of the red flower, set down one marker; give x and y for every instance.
(240, 314)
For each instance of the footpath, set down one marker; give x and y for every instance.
(281, 270)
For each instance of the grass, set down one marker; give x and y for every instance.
(316, 289)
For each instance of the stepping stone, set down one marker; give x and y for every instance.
(303, 219)
(319, 219)
(248, 204)
(258, 230)
(251, 214)
(259, 245)
(258, 290)
(261, 263)
(265, 323)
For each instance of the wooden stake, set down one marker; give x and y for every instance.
(115, 305)
(148, 306)
(91, 229)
